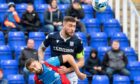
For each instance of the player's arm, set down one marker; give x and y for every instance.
(42, 47)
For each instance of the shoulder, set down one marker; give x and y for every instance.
(52, 35)
(77, 39)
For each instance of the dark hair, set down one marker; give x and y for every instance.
(69, 19)
(11, 4)
(30, 4)
(94, 51)
(28, 62)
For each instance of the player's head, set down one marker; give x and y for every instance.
(30, 7)
(30, 43)
(69, 25)
(34, 66)
(115, 45)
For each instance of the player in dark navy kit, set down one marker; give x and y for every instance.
(65, 42)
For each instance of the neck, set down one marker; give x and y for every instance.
(63, 34)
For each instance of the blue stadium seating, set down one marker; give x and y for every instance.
(137, 80)
(134, 68)
(83, 37)
(16, 39)
(92, 25)
(122, 38)
(100, 79)
(118, 79)
(15, 79)
(9, 67)
(87, 50)
(88, 9)
(63, 7)
(40, 8)
(38, 2)
(2, 1)
(5, 52)
(101, 52)
(47, 53)
(2, 38)
(3, 10)
(130, 53)
(98, 40)
(31, 79)
(111, 26)
(105, 15)
(85, 81)
(18, 52)
(21, 8)
(38, 38)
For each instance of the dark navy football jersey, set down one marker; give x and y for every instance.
(59, 46)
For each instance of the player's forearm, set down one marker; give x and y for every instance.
(80, 64)
(41, 54)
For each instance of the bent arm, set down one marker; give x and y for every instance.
(41, 51)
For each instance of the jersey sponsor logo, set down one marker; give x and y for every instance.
(71, 43)
(63, 49)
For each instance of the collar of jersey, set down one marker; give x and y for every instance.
(65, 39)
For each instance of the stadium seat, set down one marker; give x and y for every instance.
(16, 39)
(130, 53)
(31, 79)
(38, 38)
(38, 2)
(83, 37)
(18, 52)
(104, 16)
(134, 68)
(2, 38)
(87, 50)
(122, 38)
(9, 67)
(47, 53)
(63, 7)
(98, 40)
(111, 26)
(92, 25)
(101, 51)
(2, 1)
(40, 8)
(88, 9)
(21, 8)
(100, 79)
(5, 52)
(85, 81)
(15, 79)
(137, 80)
(3, 10)
(118, 79)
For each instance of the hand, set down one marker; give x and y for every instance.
(95, 68)
(63, 70)
(14, 13)
(99, 68)
(54, 23)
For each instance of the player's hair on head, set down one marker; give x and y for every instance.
(28, 62)
(69, 19)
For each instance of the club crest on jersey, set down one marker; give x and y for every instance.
(71, 43)
(57, 41)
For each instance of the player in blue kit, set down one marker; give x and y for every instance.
(65, 42)
(46, 74)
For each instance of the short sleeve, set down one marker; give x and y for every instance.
(54, 61)
(80, 49)
(46, 42)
